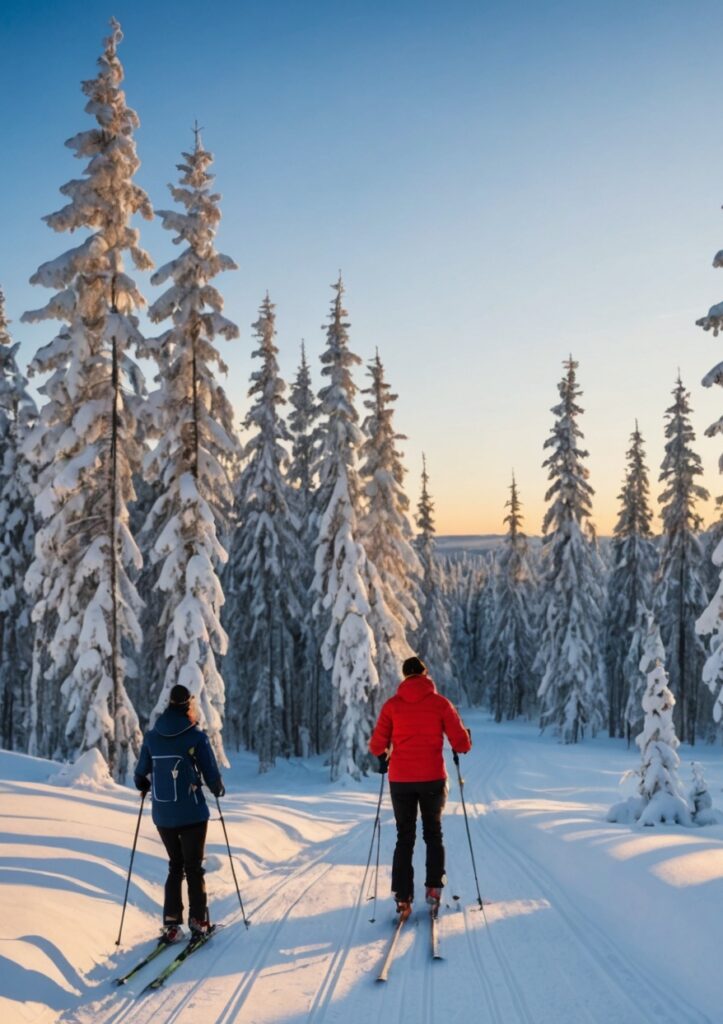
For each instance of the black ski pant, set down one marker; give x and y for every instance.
(185, 848)
(409, 798)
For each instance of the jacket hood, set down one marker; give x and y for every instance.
(173, 722)
(415, 688)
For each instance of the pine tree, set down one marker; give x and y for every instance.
(463, 586)
(681, 595)
(85, 447)
(266, 551)
(342, 604)
(513, 628)
(433, 637)
(634, 561)
(301, 476)
(710, 623)
(144, 689)
(661, 796)
(572, 686)
(393, 568)
(18, 413)
(483, 678)
(194, 423)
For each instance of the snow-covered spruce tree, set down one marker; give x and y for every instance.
(572, 691)
(143, 690)
(18, 414)
(661, 795)
(710, 623)
(463, 585)
(266, 555)
(301, 476)
(85, 446)
(194, 423)
(681, 596)
(393, 567)
(481, 671)
(342, 603)
(630, 587)
(514, 628)
(433, 636)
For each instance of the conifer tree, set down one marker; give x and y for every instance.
(513, 628)
(465, 593)
(433, 637)
(266, 553)
(630, 590)
(681, 596)
(85, 447)
(485, 643)
(710, 622)
(572, 687)
(393, 566)
(661, 796)
(17, 530)
(342, 602)
(301, 476)
(194, 423)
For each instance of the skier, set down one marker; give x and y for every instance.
(177, 756)
(413, 724)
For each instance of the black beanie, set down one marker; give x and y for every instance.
(413, 667)
(180, 696)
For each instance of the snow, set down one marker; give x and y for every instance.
(572, 931)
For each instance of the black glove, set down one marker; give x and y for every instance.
(143, 783)
(220, 790)
(469, 733)
(383, 764)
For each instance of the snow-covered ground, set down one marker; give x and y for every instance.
(587, 921)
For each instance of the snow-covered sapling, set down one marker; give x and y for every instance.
(661, 796)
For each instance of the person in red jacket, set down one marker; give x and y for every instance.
(412, 725)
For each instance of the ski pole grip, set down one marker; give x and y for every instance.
(455, 757)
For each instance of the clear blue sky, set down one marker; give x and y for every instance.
(500, 183)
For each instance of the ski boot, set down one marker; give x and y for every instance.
(404, 907)
(434, 896)
(171, 933)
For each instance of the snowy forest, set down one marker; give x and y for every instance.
(270, 560)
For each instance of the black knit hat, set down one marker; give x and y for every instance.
(180, 697)
(413, 667)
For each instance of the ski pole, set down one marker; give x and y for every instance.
(455, 758)
(130, 868)
(376, 833)
(233, 870)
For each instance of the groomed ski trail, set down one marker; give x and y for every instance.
(538, 955)
(628, 992)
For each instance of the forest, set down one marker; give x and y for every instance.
(272, 563)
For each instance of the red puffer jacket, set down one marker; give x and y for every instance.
(414, 723)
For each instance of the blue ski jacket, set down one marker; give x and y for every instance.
(178, 757)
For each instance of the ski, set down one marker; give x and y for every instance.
(434, 932)
(392, 946)
(156, 951)
(195, 943)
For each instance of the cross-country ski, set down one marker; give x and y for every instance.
(194, 943)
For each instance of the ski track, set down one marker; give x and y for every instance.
(632, 981)
(484, 952)
(474, 939)
(133, 1006)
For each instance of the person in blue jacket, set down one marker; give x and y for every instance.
(175, 759)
